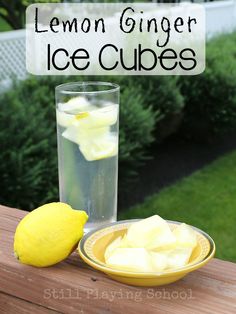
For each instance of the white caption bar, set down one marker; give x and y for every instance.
(115, 39)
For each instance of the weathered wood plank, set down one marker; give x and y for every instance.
(13, 305)
(74, 287)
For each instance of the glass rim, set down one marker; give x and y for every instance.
(64, 88)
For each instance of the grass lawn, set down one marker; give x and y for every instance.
(206, 199)
(4, 26)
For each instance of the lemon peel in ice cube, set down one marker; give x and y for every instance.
(81, 115)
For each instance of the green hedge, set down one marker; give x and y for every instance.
(28, 159)
(152, 107)
(163, 94)
(210, 98)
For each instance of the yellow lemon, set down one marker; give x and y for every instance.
(48, 234)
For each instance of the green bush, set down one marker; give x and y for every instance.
(152, 107)
(163, 94)
(28, 151)
(210, 98)
(136, 123)
(28, 159)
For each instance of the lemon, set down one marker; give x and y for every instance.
(48, 234)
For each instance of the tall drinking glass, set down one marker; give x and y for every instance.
(87, 136)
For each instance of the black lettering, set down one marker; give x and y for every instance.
(70, 25)
(178, 23)
(149, 23)
(83, 25)
(168, 57)
(97, 24)
(132, 67)
(54, 59)
(142, 51)
(141, 23)
(166, 30)
(100, 57)
(54, 22)
(188, 59)
(36, 23)
(76, 57)
(49, 57)
(190, 20)
(128, 22)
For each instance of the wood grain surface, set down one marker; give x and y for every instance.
(73, 287)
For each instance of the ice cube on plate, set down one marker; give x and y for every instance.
(185, 236)
(132, 259)
(150, 233)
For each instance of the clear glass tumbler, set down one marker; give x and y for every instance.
(87, 134)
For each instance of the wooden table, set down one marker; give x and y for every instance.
(74, 287)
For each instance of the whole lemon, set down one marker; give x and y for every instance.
(48, 234)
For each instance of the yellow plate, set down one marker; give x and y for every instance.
(92, 247)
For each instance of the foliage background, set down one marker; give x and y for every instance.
(152, 108)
